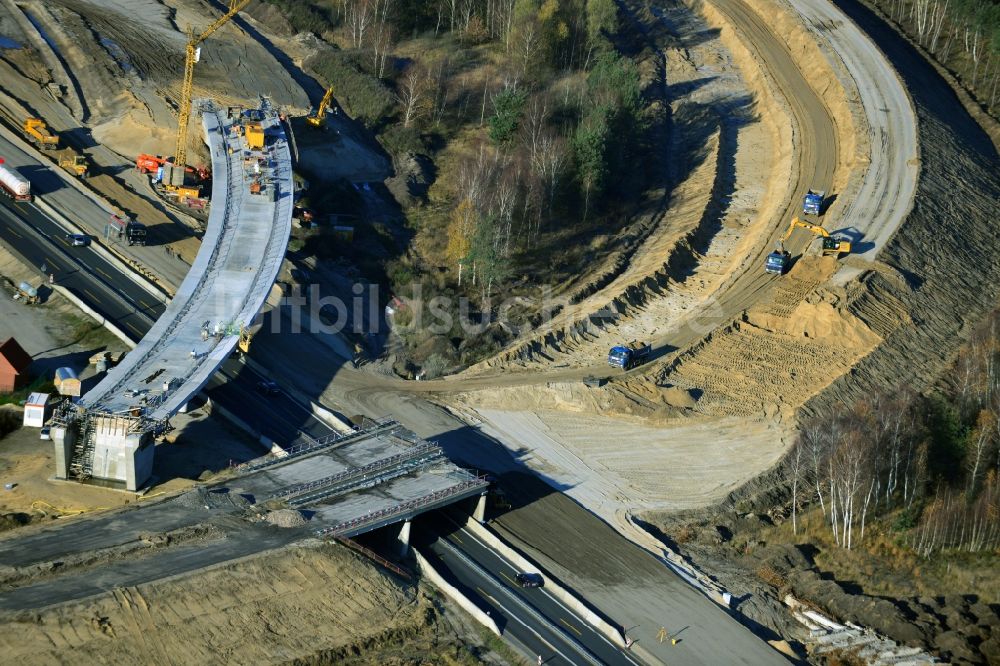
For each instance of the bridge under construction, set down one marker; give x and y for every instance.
(109, 435)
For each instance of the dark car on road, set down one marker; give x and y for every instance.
(529, 579)
(268, 388)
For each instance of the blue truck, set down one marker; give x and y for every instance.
(629, 355)
(777, 262)
(813, 202)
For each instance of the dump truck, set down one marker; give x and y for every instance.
(13, 184)
(777, 262)
(37, 132)
(629, 355)
(812, 204)
(127, 230)
(73, 162)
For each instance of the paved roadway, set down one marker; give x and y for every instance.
(40, 241)
(532, 618)
(28, 232)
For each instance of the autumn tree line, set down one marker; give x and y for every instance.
(962, 35)
(926, 466)
(528, 110)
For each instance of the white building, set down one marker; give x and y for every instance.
(37, 410)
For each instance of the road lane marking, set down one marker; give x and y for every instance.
(575, 630)
(509, 579)
(14, 232)
(144, 304)
(455, 537)
(87, 291)
(133, 328)
(104, 274)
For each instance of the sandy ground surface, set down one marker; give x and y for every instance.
(315, 602)
(614, 465)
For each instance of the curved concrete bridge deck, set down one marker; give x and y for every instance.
(109, 435)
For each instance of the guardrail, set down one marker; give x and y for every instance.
(299, 450)
(426, 451)
(392, 513)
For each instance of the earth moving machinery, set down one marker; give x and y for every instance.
(812, 204)
(318, 119)
(777, 261)
(629, 355)
(74, 163)
(156, 166)
(149, 163)
(37, 132)
(13, 184)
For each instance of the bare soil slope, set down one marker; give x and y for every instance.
(299, 605)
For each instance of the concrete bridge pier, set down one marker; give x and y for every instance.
(64, 440)
(480, 511)
(403, 540)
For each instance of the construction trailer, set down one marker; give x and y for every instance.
(67, 382)
(37, 410)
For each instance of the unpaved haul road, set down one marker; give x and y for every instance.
(890, 180)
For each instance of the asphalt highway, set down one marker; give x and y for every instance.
(530, 617)
(42, 243)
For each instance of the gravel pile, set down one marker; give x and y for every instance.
(285, 518)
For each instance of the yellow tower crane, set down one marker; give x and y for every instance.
(190, 58)
(319, 118)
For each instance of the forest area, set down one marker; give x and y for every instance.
(527, 124)
(962, 35)
(884, 513)
(925, 467)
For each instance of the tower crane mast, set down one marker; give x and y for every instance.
(190, 58)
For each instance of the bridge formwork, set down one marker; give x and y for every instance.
(108, 437)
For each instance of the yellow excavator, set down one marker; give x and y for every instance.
(777, 262)
(318, 119)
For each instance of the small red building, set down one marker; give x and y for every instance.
(14, 362)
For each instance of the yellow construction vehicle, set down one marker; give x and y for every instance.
(37, 132)
(192, 53)
(73, 162)
(318, 119)
(832, 247)
(777, 262)
(245, 337)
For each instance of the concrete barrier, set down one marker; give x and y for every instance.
(151, 288)
(99, 318)
(454, 594)
(554, 587)
(215, 408)
(318, 410)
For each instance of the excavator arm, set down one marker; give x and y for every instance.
(317, 119)
(796, 222)
(831, 246)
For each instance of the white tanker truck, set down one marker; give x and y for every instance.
(13, 184)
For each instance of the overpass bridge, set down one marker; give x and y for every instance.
(109, 435)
